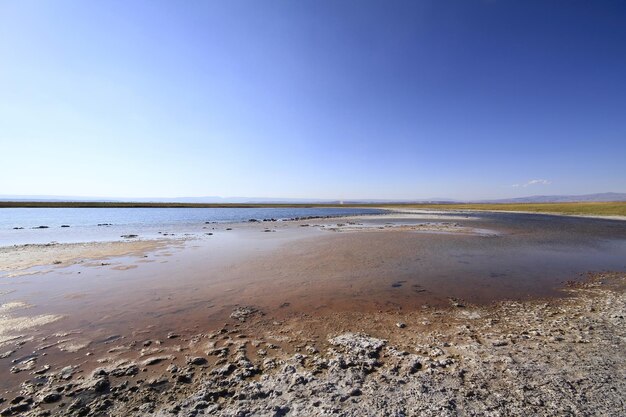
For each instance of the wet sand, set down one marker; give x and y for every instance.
(102, 302)
(20, 259)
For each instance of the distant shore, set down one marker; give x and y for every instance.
(615, 210)
(597, 209)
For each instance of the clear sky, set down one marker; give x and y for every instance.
(316, 99)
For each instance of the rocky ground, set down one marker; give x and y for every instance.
(556, 357)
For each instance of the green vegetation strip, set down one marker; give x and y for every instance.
(597, 209)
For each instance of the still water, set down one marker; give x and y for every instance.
(22, 225)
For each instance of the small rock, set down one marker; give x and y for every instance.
(51, 397)
(196, 360)
(243, 313)
(126, 370)
(156, 359)
(359, 343)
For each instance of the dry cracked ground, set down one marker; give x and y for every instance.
(555, 357)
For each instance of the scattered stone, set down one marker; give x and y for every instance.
(42, 370)
(243, 313)
(125, 370)
(26, 365)
(51, 397)
(456, 303)
(196, 360)
(67, 372)
(156, 359)
(6, 354)
(359, 343)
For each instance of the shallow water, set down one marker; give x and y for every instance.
(193, 285)
(21, 225)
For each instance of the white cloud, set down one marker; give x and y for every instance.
(533, 182)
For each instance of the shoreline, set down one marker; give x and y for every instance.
(29, 255)
(97, 249)
(618, 207)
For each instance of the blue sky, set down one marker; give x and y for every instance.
(315, 99)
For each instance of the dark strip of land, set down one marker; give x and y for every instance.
(122, 204)
(586, 208)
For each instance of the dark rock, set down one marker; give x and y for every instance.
(184, 378)
(355, 392)
(51, 397)
(101, 385)
(15, 409)
(128, 370)
(197, 360)
(201, 405)
(156, 359)
(415, 366)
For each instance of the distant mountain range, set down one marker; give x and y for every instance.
(563, 198)
(259, 200)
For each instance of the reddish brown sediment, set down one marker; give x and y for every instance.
(478, 352)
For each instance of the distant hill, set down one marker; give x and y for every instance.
(600, 197)
(194, 200)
